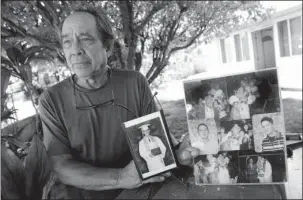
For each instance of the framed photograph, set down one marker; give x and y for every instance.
(150, 143)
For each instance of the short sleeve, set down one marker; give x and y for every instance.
(148, 104)
(55, 138)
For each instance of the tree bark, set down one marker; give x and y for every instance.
(131, 53)
(158, 70)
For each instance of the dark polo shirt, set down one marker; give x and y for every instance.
(93, 136)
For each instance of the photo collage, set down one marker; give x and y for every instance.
(236, 123)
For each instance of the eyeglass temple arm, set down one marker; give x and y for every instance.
(150, 101)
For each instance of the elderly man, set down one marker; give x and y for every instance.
(274, 140)
(82, 114)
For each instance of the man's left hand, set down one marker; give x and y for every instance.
(186, 153)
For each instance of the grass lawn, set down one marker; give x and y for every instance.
(175, 114)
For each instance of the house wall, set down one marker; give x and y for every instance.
(289, 68)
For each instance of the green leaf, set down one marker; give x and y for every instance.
(38, 169)
(12, 175)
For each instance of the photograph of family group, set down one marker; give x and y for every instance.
(150, 145)
(221, 168)
(238, 114)
(262, 168)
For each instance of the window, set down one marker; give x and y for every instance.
(238, 48)
(223, 50)
(292, 42)
(245, 47)
(296, 35)
(283, 38)
(241, 47)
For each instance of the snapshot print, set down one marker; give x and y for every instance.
(221, 168)
(268, 96)
(150, 145)
(269, 132)
(253, 93)
(206, 99)
(262, 168)
(234, 97)
(203, 135)
(242, 92)
(236, 135)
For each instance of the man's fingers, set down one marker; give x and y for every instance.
(154, 179)
(189, 152)
(167, 174)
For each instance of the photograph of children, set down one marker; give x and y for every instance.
(150, 145)
(206, 99)
(242, 92)
(236, 135)
(268, 98)
(203, 135)
(268, 132)
(262, 168)
(221, 168)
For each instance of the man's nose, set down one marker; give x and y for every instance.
(77, 48)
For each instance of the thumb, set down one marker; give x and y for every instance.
(190, 152)
(154, 179)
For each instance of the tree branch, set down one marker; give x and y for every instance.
(20, 32)
(189, 43)
(149, 16)
(53, 15)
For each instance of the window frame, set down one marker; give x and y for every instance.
(221, 50)
(289, 35)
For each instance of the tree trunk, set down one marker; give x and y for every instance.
(155, 64)
(138, 61)
(131, 54)
(159, 68)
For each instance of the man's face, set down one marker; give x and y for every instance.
(146, 132)
(84, 52)
(268, 127)
(236, 129)
(203, 131)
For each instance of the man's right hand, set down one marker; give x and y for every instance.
(129, 177)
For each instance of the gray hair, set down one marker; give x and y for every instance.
(104, 28)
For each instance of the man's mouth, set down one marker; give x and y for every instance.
(80, 64)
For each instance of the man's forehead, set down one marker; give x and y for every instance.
(82, 21)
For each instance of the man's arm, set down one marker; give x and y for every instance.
(78, 174)
(85, 176)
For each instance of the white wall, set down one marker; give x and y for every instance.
(289, 68)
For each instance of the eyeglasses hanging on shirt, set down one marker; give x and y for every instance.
(112, 100)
